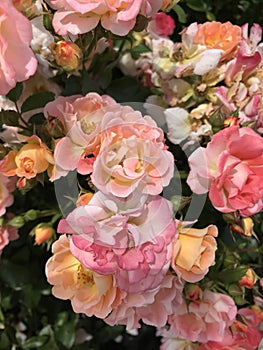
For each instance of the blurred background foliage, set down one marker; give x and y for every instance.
(30, 317)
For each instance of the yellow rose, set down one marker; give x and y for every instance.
(194, 252)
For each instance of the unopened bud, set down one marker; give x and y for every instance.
(249, 279)
(67, 55)
(43, 233)
(168, 4)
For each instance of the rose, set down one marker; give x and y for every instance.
(217, 35)
(18, 62)
(119, 17)
(152, 307)
(132, 155)
(136, 268)
(161, 24)
(80, 117)
(33, 158)
(120, 222)
(205, 320)
(231, 169)
(88, 292)
(194, 252)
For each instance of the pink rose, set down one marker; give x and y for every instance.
(242, 335)
(80, 117)
(120, 223)
(204, 320)
(137, 268)
(152, 307)
(161, 24)
(7, 185)
(231, 169)
(117, 16)
(132, 156)
(18, 61)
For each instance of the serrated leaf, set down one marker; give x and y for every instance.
(37, 100)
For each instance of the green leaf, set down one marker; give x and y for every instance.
(127, 89)
(15, 93)
(138, 50)
(106, 77)
(37, 119)
(35, 342)
(196, 5)
(180, 13)
(88, 85)
(232, 275)
(10, 118)
(37, 100)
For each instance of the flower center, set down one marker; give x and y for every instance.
(84, 277)
(27, 164)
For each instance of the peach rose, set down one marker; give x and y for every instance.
(89, 292)
(194, 252)
(133, 155)
(32, 159)
(217, 35)
(18, 61)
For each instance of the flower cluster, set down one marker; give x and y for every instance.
(150, 212)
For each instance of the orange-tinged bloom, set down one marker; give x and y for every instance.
(194, 252)
(32, 159)
(249, 279)
(67, 55)
(84, 199)
(89, 292)
(217, 35)
(43, 234)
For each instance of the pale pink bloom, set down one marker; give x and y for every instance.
(89, 292)
(204, 320)
(7, 233)
(161, 24)
(117, 16)
(15, 38)
(152, 307)
(231, 169)
(80, 117)
(132, 156)
(137, 268)
(121, 223)
(7, 185)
